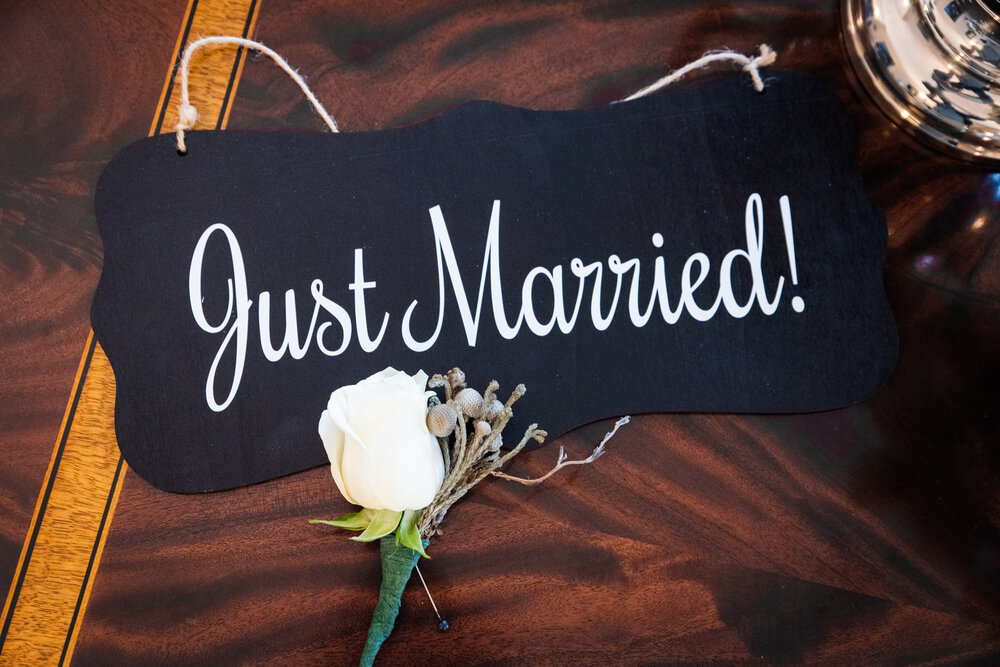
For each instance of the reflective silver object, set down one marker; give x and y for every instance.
(934, 68)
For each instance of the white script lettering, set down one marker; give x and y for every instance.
(541, 284)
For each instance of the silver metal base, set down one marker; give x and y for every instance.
(934, 67)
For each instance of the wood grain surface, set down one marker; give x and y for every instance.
(71, 78)
(864, 535)
(50, 589)
(51, 586)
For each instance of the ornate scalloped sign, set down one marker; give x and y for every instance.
(709, 249)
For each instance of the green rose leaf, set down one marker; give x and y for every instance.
(352, 521)
(383, 522)
(408, 535)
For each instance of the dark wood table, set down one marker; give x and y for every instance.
(864, 535)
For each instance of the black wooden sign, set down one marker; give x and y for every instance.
(710, 248)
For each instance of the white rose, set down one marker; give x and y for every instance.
(381, 453)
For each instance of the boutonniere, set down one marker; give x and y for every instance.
(405, 457)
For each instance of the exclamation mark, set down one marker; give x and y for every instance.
(798, 305)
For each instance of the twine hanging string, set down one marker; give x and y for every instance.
(187, 115)
(751, 66)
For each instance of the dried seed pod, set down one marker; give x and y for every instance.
(456, 378)
(441, 420)
(483, 429)
(471, 402)
(493, 410)
(497, 443)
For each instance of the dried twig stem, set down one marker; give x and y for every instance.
(475, 449)
(471, 460)
(561, 462)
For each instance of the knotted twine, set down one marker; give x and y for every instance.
(187, 115)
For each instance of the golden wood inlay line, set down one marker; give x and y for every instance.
(44, 608)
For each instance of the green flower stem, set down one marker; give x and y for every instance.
(398, 561)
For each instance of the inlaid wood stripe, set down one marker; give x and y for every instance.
(45, 605)
(43, 498)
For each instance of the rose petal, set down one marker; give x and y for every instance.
(359, 471)
(356, 465)
(343, 404)
(372, 399)
(420, 379)
(408, 459)
(333, 443)
(388, 460)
